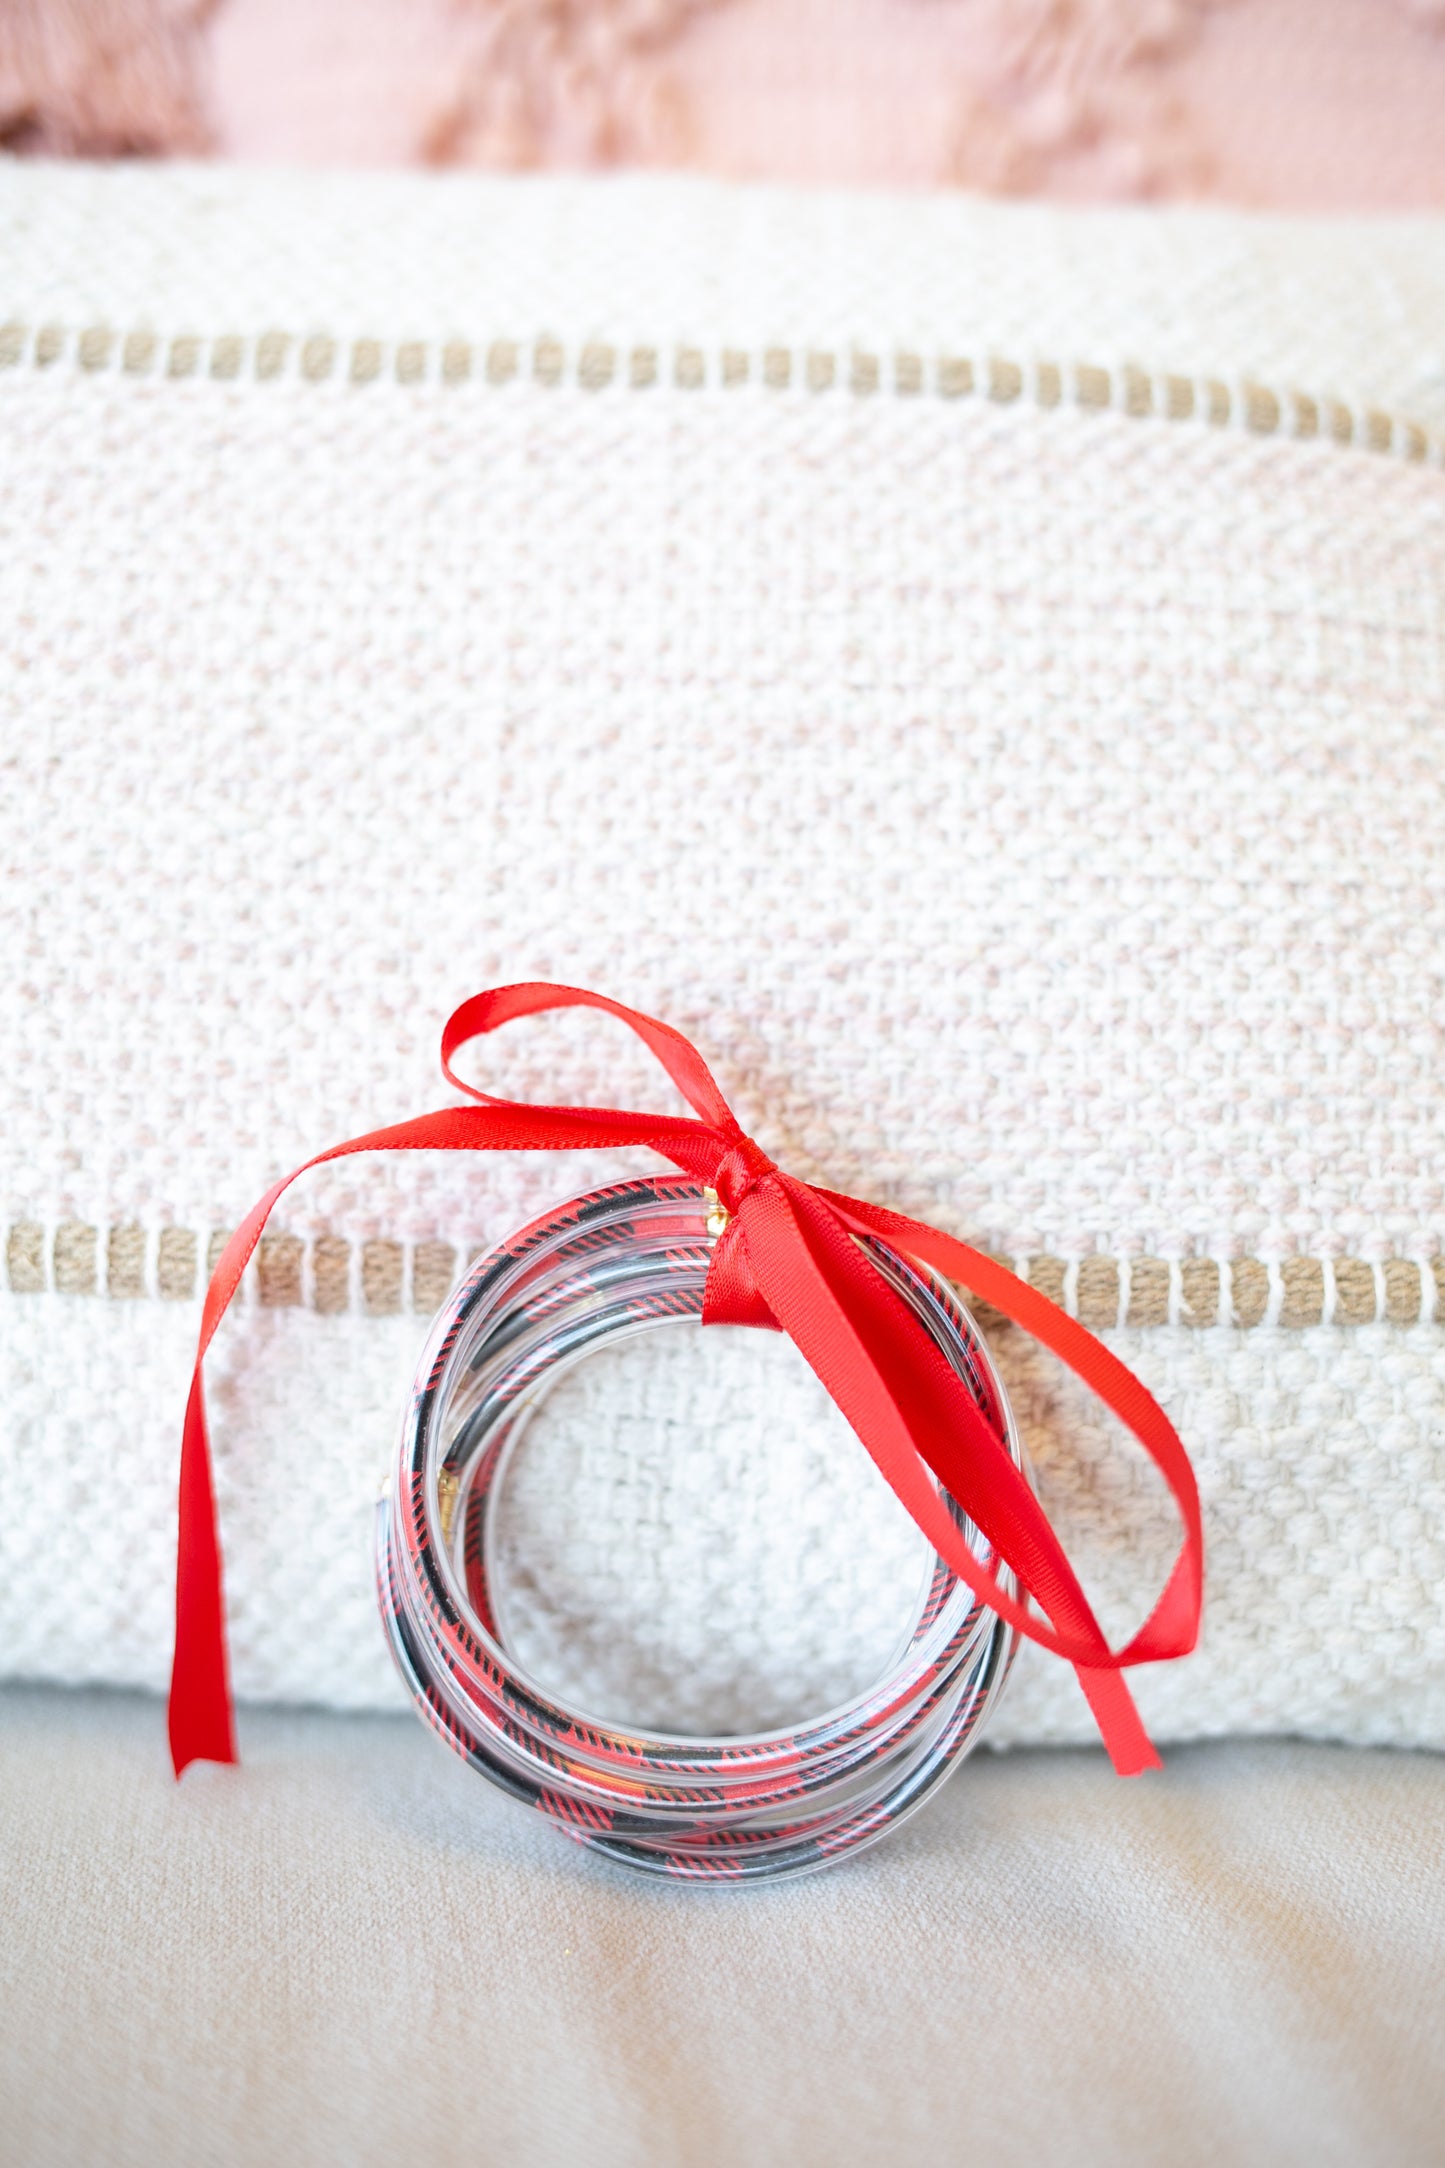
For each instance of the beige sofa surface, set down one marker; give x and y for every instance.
(347, 1951)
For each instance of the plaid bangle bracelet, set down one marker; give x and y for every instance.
(625, 1260)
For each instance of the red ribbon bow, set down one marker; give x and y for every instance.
(788, 1258)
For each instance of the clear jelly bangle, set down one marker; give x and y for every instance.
(622, 1261)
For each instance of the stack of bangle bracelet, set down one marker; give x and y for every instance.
(625, 1260)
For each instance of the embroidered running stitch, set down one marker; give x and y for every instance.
(318, 358)
(380, 1277)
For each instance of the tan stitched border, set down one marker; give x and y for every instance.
(331, 1274)
(597, 365)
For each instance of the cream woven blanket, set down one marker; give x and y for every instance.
(978, 671)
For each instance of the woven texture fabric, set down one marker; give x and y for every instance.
(1029, 801)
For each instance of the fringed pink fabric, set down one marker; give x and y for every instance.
(102, 78)
(1311, 105)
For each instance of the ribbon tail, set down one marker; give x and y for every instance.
(200, 1721)
(1131, 1751)
(732, 1295)
(1172, 1627)
(906, 1408)
(901, 1400)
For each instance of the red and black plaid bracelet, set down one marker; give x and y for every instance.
(626, 1260)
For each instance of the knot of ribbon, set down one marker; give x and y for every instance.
(787, 1256)
(739, 1172)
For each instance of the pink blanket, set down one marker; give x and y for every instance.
(1305, 104)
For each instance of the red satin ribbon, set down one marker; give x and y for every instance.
(787, 1258)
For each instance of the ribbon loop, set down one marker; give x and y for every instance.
(789, 1257)
(679, 1057)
